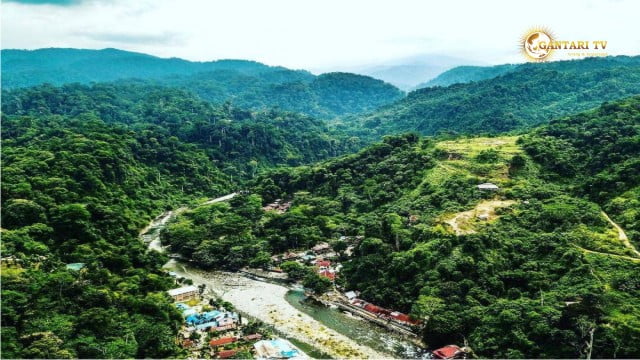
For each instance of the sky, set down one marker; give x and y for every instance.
(310, 34)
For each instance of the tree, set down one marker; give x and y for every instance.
(316, 283)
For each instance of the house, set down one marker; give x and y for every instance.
(252, 337)
(226, 321)
(323, 264)
(351, 295)
(75, 266)
(184, 293)
(223, 328)
(308, 257)
(222, 341)
(329, 274)
(483, 217)
(206, 325)
(188, 312)
(187, 343)
(403, 318)
(321, 248)
(450, 352)
(182, 307)
(373, 308)
(278, 205)
(225, 354)
(12, 261)
(488, 187)
(277, 349)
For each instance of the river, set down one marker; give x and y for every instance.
(317, 329)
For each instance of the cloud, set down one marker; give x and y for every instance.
(310, 34)
(165, 38)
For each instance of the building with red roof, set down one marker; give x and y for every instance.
(449, 352)
(373, 308)
(222, 341)
(323, 263)
(328, 274)
(255, 336)
(225, 354)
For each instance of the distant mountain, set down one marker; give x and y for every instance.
(530, 95)
(465, 74)
(248, 84)
(407, 73)
(22, 68)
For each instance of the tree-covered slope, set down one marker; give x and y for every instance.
(531, 270)
(598, 153)
(25, 68)
(532, 95)
(465, 74)
(240, 141)
(77, 190)
(245, 84)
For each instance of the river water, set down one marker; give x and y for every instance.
(359, 330)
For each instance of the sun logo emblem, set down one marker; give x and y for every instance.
(535, 44)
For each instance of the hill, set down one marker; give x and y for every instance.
(76, 190)
(246, 84)
(244, 141)
(57, 66)
(538, 255)
(532, 95)
(406, 73)
(598, 153)
(465, 74)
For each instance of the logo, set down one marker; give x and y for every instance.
(539, 44)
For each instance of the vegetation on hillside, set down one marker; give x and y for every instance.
(530, 96)
(537, 278)
(597, 153)
(241, 142)
(465, 74)
(244, 84)
(78, 190)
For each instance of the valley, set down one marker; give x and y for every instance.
(495, 212)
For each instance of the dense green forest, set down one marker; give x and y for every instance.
(58, 66)
(532, 95)
(597, 154)
(240, 141)
(465, 74)
(77, 190)
(538, 269)
(535, 279)
(245, 84)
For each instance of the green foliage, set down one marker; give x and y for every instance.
(294, 270)
(465, 74)
(241, 142)
(76, 189)
(520, 286)
(316, 283)
(530, 95)
(246, 84)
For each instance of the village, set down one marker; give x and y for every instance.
(212, 329)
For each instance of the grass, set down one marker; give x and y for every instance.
(471, 147)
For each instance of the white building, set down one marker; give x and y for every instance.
(184, 293)
(488, 186)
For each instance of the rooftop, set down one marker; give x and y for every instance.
(182, 290)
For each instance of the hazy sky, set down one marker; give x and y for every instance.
(315, 34)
